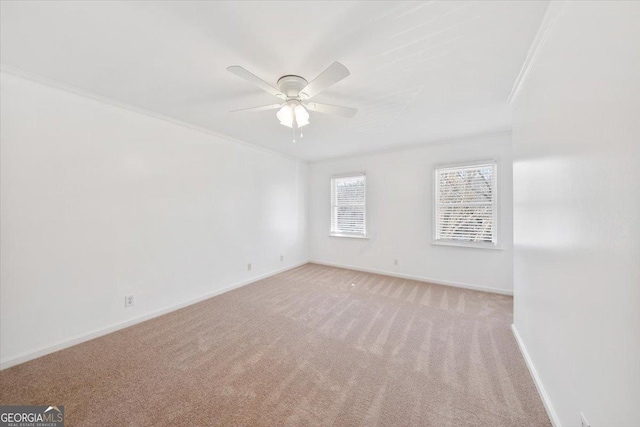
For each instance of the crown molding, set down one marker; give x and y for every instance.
(553, 9)
(431, 143)
(17, 72)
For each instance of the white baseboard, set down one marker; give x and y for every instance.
(555, 421)
(34, 354)
(418, 278)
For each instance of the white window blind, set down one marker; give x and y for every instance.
(465, 208)
(348, 206)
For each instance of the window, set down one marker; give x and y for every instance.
(348, 207)
(465, 207)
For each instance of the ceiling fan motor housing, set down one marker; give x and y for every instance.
(291, 85)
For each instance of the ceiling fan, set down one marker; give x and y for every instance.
(295, 93)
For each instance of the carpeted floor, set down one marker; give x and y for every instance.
(313, 346)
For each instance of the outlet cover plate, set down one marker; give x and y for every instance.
(128, 301)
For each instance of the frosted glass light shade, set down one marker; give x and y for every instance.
(302, 116)
(287, 112)
(285, 115)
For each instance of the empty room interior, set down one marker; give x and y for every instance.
(323, 213)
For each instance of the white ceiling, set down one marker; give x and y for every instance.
(420, 71)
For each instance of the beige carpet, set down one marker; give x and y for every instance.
(312, 346)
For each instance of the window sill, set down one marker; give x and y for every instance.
(489, 246)
(349, 236)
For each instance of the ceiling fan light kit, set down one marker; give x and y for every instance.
(293, 115)
(294, 90)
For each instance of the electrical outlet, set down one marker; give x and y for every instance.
(395, 261)
(281, 258)
(249, 267)
(128, 301)
(583, 421)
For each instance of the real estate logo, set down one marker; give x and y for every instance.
(31, 416)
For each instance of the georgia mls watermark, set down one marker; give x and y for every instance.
(31, 416)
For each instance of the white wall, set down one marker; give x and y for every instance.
(577, 214)
(99, 202)
(400, 215)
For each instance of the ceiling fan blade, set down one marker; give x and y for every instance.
(252, 78)
(332, 75)
(335, 110)
(256, 109)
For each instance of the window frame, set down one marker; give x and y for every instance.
(331, 206)
(495, 243)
